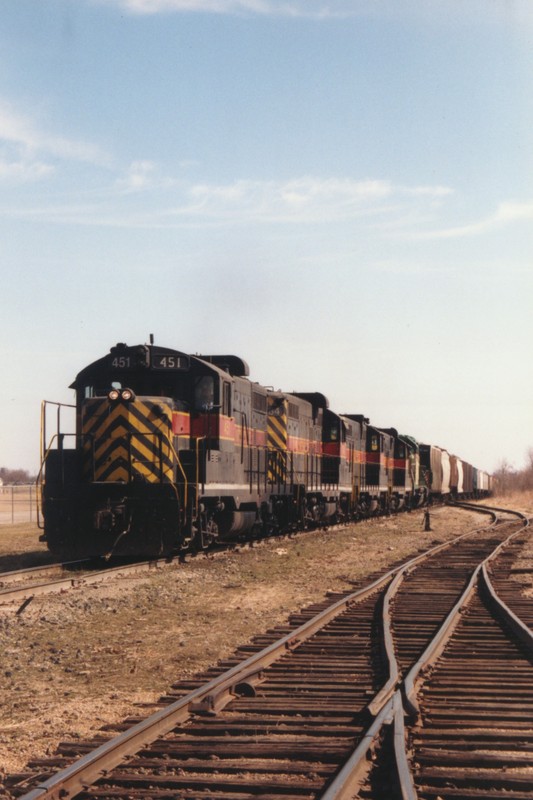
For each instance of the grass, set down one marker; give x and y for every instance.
(20, 546)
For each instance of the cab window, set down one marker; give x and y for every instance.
(100, 391)
(204, 393)
(332, 431)
(226, 400)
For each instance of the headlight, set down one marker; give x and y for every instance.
(127, 395)
(114, 395)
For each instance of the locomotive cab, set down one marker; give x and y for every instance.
(121, 489)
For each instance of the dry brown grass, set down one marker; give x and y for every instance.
(20, 546)
(518, 501)
(73, 662)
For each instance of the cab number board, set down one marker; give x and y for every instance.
(122, 362)
(160, 361)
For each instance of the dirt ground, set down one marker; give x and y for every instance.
(73, 662)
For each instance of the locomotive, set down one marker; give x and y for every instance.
(173, 451)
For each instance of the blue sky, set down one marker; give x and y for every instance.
(339, 191)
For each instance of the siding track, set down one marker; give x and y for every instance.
(297, 713)
(475, 736)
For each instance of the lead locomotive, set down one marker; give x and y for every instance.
(172, 451)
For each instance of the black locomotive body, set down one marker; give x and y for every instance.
(172, 450)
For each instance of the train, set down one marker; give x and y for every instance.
(168, 452)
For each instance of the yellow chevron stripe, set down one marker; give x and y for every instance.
(142, 446)
(275, 441)
(148, 467)
(113, 429)
(100, 468)
(275, 426)
(118, 474)
(140, 468)
(151, 461)
(103, 444)
(277, 466)
(156, 421)
(102, 421)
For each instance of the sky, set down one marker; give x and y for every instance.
(338, 191)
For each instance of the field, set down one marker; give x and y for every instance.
(72, 663)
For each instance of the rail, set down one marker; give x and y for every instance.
(78, 577)
(349, 780)
(209, 698)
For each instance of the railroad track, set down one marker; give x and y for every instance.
(468, 701)
(475, 734)
(23, 585)
(294, 714)
(29, 574)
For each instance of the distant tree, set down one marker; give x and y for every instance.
(506, 479)
(527, 473)
(10, 476)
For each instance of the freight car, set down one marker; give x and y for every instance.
(173, 451)
(450, 478)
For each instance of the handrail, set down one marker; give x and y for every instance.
(39, 482)
(185, 481)
(196, 502)
(44, 404)
(44, 449)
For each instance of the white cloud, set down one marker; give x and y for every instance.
(511, 212)
(20, 133)
(307, 199)
(435, 12)
(304, 200)
(143, 175)
(22, 171)
(428, 191)
(315, 9)
(505, 214)
(139, 176)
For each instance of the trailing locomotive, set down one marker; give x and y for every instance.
(172, 451)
